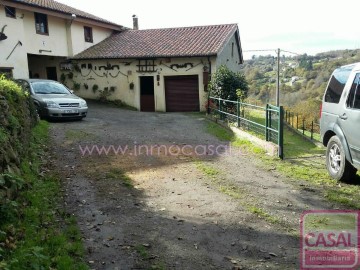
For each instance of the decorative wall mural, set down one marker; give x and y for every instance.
(175, 67)
(181, 65)
(97, 70)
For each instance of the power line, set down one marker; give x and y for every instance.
(292, 52)
(272, 50)
(266, 50)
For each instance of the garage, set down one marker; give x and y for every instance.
(182, 93)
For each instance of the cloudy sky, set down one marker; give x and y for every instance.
(306, 26)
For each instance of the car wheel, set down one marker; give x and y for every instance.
(337, 165)
(37, 109)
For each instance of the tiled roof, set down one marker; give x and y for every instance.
(62, 8)
(167, 42)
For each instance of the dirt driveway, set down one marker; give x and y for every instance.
(156, 204)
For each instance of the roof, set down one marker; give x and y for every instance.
(62, 8)
(166, 42)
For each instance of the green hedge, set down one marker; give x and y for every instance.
(17, 117)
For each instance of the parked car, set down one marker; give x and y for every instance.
(340, 122)
(54, 100)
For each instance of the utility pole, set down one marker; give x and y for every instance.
(278, 79)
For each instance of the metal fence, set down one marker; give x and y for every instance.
(264, 122)
(308, 127)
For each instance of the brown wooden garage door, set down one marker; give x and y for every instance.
(182, 93)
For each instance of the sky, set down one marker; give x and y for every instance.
(299, 26)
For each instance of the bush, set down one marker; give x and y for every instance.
(227, 84)
(18, 116)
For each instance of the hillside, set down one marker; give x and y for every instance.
(303, 78)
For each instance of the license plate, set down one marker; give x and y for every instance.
(71, 111)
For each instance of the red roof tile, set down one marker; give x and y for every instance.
(62, 8)
(168, 42)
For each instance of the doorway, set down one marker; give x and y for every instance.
(147, 99)
(51, 73)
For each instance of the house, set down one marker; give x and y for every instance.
(37, 37)
(151, 70)
(294, 79)
(158, 69)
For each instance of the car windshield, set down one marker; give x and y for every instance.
(49, 88)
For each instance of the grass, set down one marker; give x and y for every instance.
(303, 161)
(144, 254)
(142, 251)
(261, 213)
(316, 136)
(76, 134)
(41, 235)
(224, 134)
(120, 175)
(296, 146)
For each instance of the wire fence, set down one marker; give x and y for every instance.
(308, 127)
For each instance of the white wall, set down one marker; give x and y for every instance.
(78, 40)
(61, 41)
(229, 57)
(15, 32)
(55, 42)
(122, 79)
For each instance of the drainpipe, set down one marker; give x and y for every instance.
(70, 44)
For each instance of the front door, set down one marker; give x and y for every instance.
(51, 73)
(147, 101)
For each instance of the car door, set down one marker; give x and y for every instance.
(349, 120)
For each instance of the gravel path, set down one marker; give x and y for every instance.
(173, 208)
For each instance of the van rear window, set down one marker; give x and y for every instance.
(337, 84)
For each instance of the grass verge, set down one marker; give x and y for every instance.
(303, 161)
(35, 233)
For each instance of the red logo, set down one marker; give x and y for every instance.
(329, 239)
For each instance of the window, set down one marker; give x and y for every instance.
(337, 84)
(7, 72)
(41, 24)
(10, 12)
(353, 100)
(232, 50)
(357, 99)
(88, 34)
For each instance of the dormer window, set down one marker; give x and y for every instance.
(88, 34)
(41, 24)
(10, 12)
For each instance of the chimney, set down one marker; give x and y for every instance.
(135, 22)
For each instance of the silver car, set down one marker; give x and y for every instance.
(53, 100)
(340, 122)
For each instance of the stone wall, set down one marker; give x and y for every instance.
(17, 117)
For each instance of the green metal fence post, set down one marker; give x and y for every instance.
(267, 123)
(220, 110)
(269, 119)
(281, 132)
(238, 113)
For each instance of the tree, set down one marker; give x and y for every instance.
(227, 84)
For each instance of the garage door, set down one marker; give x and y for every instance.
(182, 93)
